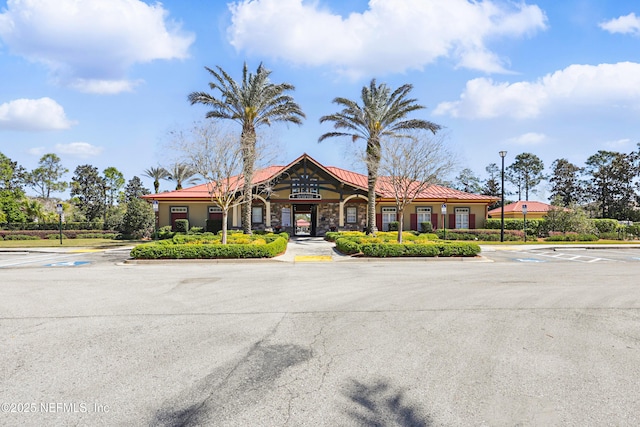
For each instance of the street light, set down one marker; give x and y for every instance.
(155, 218)
(524, 214)
(502, 155)
(443, 210)
(59, 211)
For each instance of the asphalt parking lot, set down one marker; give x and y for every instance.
(89, 340)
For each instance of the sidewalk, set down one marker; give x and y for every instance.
(310, 249)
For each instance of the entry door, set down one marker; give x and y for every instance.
(304, 220)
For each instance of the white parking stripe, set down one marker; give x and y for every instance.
(36, 259)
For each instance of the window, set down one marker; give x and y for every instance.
(179, 209)
(352, 215)
(256, 214)
(462, 217)
(388, 215)
(215, 209)
(424, 215)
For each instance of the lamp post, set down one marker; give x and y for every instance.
(155, 219)
(59, 211)
(524, 214)
(502, 155)
(444, 219)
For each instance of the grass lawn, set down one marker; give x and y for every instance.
(48, 243)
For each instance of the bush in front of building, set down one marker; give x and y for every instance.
(182, 225)
(426, 227)
(57, 236)
(207, 246)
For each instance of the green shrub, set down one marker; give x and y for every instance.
(347, 246)
(394, 225)
(610, 236)
(1, 238)
(605, 225)
(213, 225)
(196, 230)
(571, 237)
(165, 250)
(96, 236)
(182, 225)
(56, 236)
(20, 237)
(426, 227)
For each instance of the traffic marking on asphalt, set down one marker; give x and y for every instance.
(529, 260)
(67, 264)
(312, 258)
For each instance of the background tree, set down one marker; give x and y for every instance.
(491, 186)
(33, 210)
(88, 191)
(566, 186)
(611, 184)
(252, 103)
(138, 220)
(526, 173)
(46, 178)
(182, 173)
(134, 189)
(12, 178)
(468, 182)
(114, 181)
(157, 173)
(409, 166)
(383, 114)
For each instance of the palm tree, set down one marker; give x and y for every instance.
(182, 174)
(157, 174)
(382, 114)
(251, 103)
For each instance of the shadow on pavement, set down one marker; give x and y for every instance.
(378, 404)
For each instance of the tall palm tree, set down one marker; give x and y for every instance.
(182, 174)
(251, 103)
(157, 174)
(383, 113)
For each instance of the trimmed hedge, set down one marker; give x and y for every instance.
(56, 236)
(266, 246)
(71, 234)
(382, 246)
(481, 234)
(571, 237)
(51, 226)
(20, 237)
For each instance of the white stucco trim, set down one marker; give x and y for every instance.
(342, 203)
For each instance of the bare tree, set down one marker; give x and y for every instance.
(410, 165)
(218, 158)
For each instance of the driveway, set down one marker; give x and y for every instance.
(320, 343)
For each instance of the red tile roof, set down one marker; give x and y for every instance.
(517, 207)
(354, 179)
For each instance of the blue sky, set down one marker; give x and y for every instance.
(103, 82)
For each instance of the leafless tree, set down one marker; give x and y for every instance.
(217, 156)
(410, 165)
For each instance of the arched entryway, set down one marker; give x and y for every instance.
(304, 219)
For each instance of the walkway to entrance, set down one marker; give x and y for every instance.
(309, 249)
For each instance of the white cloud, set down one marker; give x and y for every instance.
(628, 24)
(33, 115)
(391, 36)
(528, 139)
(619, 144)
(37, 151)
(577, 86)
(79, 149)
(90, 45)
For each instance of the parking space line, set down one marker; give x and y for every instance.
(38, 259)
